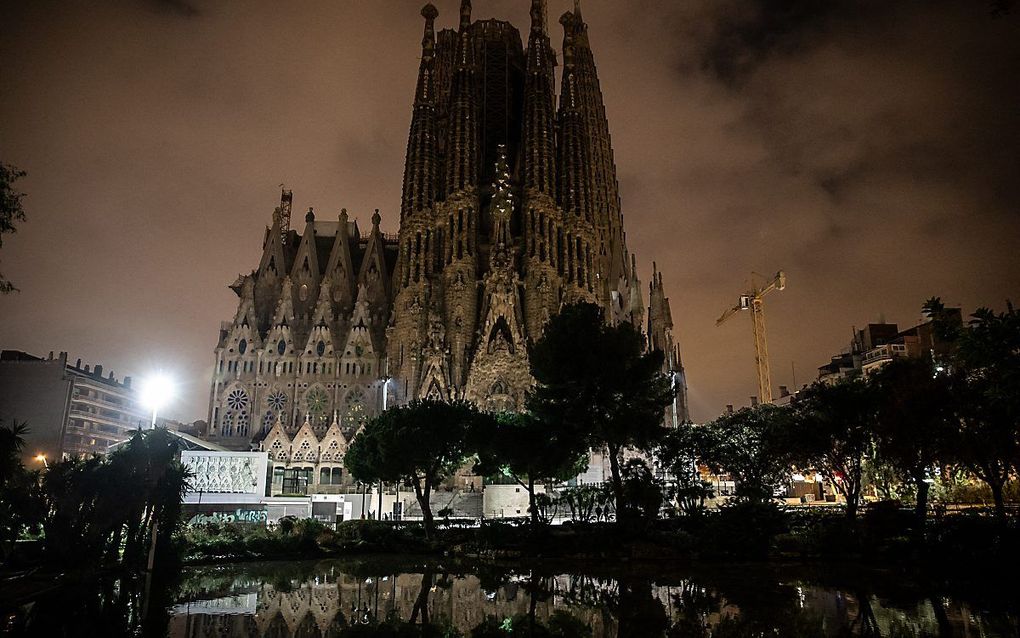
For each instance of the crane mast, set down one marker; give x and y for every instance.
(753, 300)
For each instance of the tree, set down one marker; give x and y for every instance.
(101, 506)
(680, 451)
(832, 434)
(11, 211)
(984, 369)
(751, 445)
(528, 450)
(915, 421)
(642, 493)
(419, 444)
(21, 504)
(597, 380)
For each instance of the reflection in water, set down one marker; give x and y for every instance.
(356, 599)
(388, 598)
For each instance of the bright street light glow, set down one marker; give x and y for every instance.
(156, 391)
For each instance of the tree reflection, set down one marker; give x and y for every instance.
(639, 613)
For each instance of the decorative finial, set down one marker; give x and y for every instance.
(310, 215)
(567, 20)
(538, 12)
(465, 14)
(376, 218)
(343, 216)
(428, 41)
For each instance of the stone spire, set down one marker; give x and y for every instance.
(462, 142)
(661, 337)
(420, 168)
(575, 179)
(612, 251)
(539, 110)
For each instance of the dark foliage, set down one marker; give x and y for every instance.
(418, 444)
(598, 382)
(530, 451)
(752, 445)
(11, 211)
(831, 433)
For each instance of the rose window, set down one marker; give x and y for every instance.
(317, 401)
(237, 400)
(277, 401)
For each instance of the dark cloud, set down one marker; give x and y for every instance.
(868, 148)
(181, 8)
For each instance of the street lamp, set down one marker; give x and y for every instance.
(156, 392)
(41, 458)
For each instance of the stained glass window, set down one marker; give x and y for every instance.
(317, 403)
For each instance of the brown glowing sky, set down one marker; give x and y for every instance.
(870, 149)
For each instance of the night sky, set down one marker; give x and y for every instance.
(870, 149)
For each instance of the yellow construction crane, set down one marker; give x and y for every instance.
(753, 300)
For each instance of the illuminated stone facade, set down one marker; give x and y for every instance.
(510, 208)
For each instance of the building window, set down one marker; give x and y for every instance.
(354, 415)
(317, 403)
(296, 480)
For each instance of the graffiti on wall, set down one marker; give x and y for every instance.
(237, 516)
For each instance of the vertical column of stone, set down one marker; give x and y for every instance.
(612, 249)
(541, 216)
(461, 208)
(405, 333)
(575, 182)
(660, 337)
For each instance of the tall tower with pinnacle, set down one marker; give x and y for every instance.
(510, 208)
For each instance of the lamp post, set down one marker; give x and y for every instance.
(41, 458)
(157, 390)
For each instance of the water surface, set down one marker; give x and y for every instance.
(392, 597)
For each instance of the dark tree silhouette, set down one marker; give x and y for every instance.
(751, 445)
(520, 446)
(598, 381)
(832, 434)
(419, 444)
(984, 369)
(11, 212)
(916, 421)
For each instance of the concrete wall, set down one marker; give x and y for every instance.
(38, 393)
(506, 501)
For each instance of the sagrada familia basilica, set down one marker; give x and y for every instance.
(510, 209)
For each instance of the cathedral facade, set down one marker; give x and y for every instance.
(510, 209)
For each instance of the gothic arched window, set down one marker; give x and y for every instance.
(236, 415)
(355, 414)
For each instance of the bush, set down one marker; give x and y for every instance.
(745, 529)
(887, 519)
(238, 541)
(386, 536)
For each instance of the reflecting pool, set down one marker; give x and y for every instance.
(398, 598)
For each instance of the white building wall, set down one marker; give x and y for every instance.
(506, 501)
(225, 477)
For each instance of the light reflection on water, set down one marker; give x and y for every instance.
(373, 598)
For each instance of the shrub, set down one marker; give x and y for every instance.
(745, 529)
